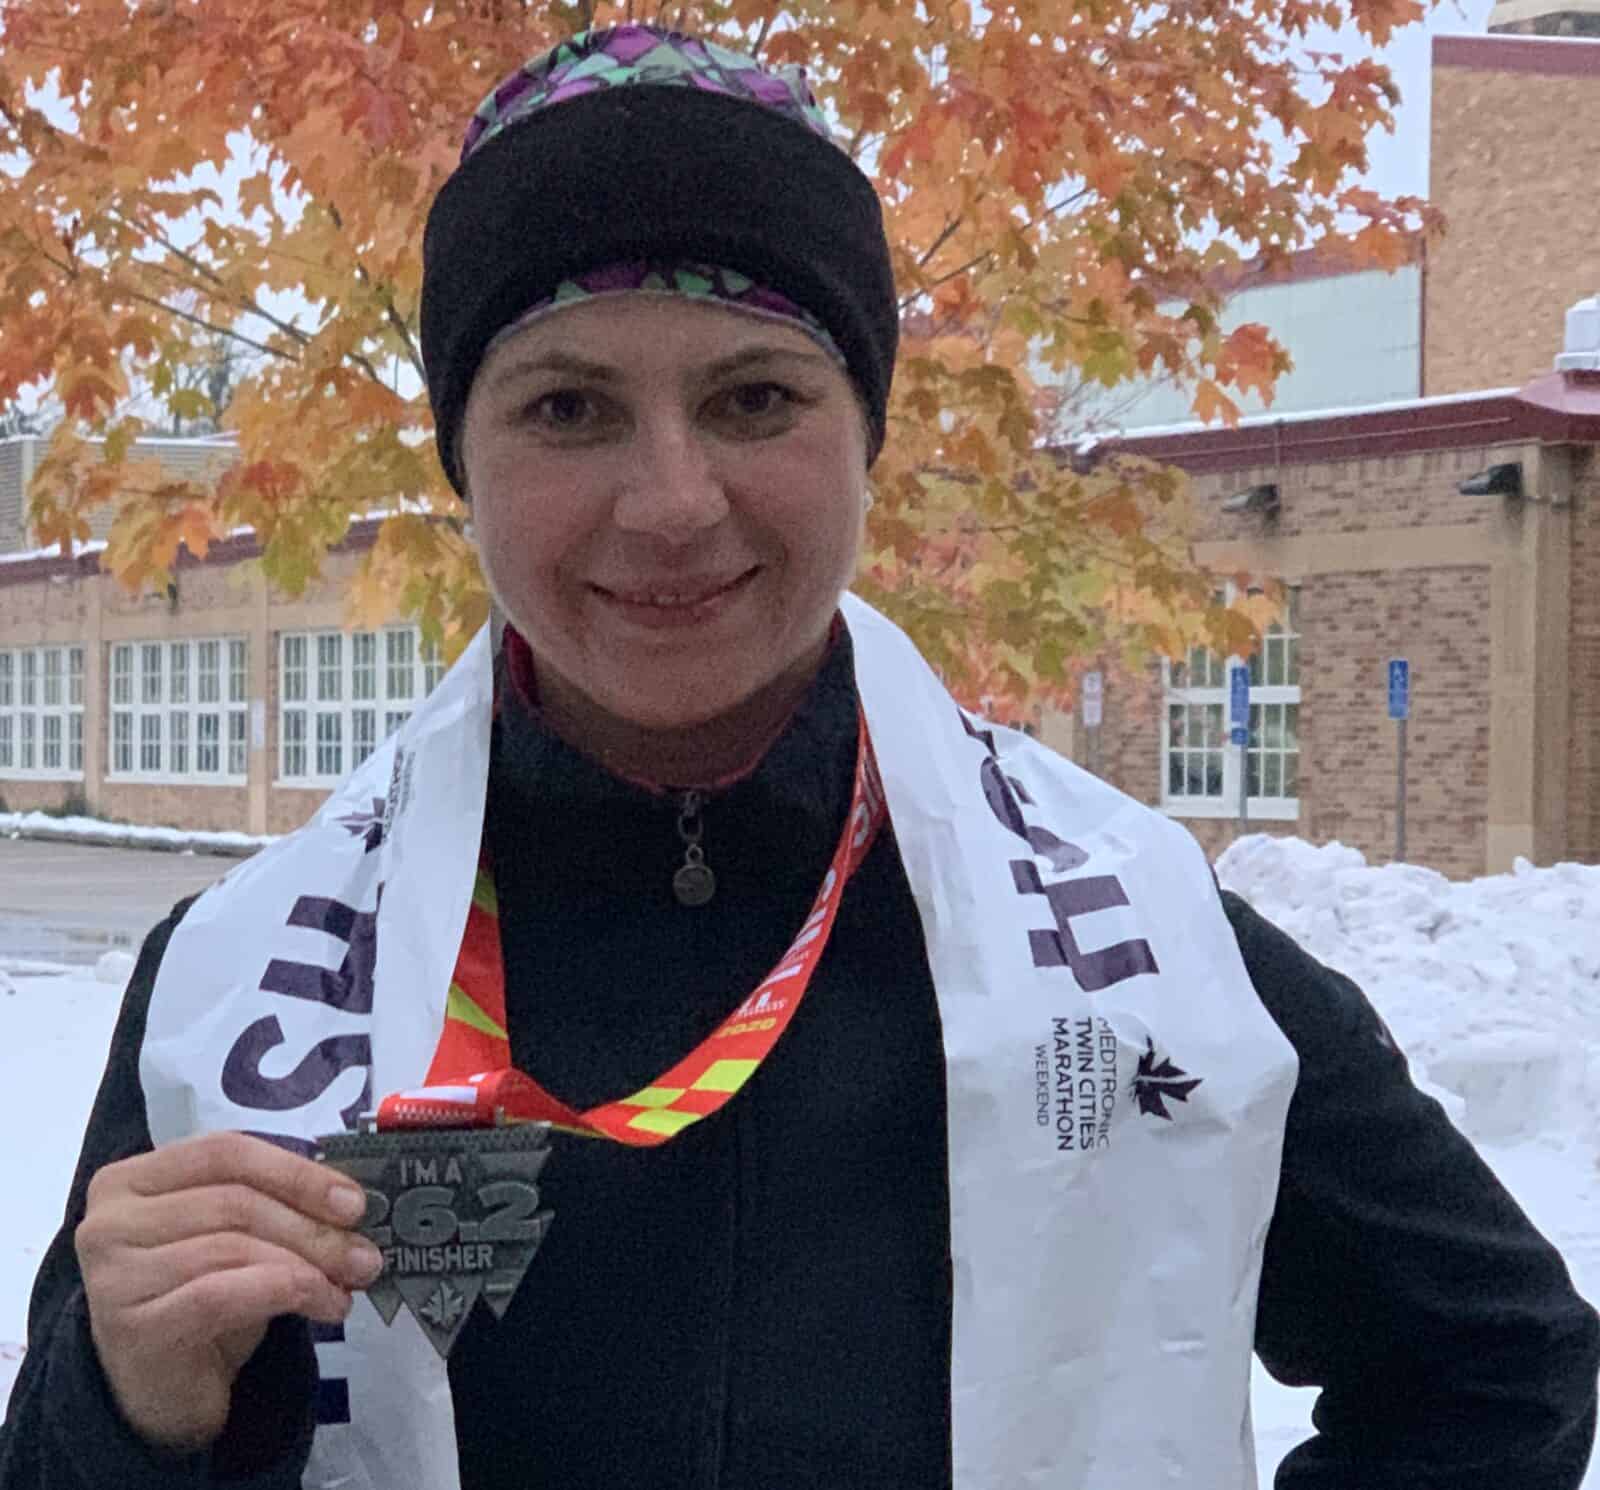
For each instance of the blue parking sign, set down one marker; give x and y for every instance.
(1399, 688)
(1239, 703)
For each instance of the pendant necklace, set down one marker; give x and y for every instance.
(694, 883)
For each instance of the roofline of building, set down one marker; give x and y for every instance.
(226, 440)
(1499, 416)
(18, 569)
(1549, 56)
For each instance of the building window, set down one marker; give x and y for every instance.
(174, 704)
(1200, 768)
(343, 693)
(41, 712)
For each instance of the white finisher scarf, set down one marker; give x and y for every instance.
(1116, 1091)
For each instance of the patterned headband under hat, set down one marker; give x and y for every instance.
(671, 166)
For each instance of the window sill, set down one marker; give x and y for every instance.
(1274, 811)
(8, 773)
(152, 778)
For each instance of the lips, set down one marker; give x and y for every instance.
(677, 595)
(677, 605)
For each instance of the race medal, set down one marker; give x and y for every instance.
(455, 1212)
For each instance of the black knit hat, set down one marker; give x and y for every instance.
(659, 173)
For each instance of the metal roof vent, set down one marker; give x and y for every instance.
(1582, 352)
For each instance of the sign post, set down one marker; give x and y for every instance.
(1093, 691)
(1239, 720)
(1400, 712)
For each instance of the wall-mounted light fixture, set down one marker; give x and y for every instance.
(1494, 481)
(1262, 499)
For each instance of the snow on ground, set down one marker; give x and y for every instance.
(94, 830)
(1491, 986)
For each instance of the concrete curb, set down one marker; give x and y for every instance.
(166, 842)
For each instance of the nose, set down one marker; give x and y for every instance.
(671, 490)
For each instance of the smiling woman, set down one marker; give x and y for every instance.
(918, 1114)
(668, 499)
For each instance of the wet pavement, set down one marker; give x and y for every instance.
(69, 902)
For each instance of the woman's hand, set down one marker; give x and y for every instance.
(189, 1252)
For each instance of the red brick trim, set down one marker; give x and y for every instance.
(1549, 56)
(362, 535)
(1492, 419)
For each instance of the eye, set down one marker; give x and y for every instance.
(760, 404)
(562, 409)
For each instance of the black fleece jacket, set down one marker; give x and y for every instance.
(764, 1303)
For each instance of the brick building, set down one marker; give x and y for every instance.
(217, 705)
(1515, 134)
(223, 705)
(1494, 599)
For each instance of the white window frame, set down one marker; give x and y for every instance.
(178, 711)
(341, 694)
(1277, 657)
(41, 703)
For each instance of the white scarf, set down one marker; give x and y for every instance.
(1106, 1257)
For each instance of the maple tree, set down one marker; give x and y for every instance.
(1065, 187)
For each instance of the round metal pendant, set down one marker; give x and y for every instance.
(694, 884)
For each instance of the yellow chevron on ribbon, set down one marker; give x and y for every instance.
(725, 1076)
(664, 1120)
(460, 1006)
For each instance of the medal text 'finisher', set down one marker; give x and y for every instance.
(455, 1213)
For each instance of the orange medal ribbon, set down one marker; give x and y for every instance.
(473, 1084)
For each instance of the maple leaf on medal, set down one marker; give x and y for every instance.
(444, 1306)
(1155, 1081)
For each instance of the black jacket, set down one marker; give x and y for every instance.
(764, 1303)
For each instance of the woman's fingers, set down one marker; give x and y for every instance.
(189, 1252)
(236, 1158)
(225, 1214)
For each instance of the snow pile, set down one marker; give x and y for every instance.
(1492, 986)
(93, 830)
(115, 967)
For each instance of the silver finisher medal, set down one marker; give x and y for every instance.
(455, 1213)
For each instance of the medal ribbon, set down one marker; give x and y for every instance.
(472, 1082)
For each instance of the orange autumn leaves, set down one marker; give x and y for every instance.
(1066, 188)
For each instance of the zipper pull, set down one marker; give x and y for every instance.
(694, 883)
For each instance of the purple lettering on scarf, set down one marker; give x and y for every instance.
(1095, 971)
(244, 1084)
(349, 987)
(1059, 948)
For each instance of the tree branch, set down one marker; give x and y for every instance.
(210, 275)
(391, 315)
(761, 35)
(950, 228)
(67, 270)
(987, 254)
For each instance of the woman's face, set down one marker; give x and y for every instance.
(667, 498)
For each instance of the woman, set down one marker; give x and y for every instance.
(1032, 1135)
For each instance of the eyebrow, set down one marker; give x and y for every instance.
(601, 372)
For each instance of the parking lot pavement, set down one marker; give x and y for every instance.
(69, 902)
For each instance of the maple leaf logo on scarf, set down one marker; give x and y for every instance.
(1155, 1082)
(368, 825)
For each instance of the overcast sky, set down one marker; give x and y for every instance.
(1400, 161)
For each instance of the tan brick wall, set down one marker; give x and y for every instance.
(1382, 492)
(288, 807)
(1583, 751)
(1354, 623)
(1513, 170)
(37, 796)
(212, 809)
